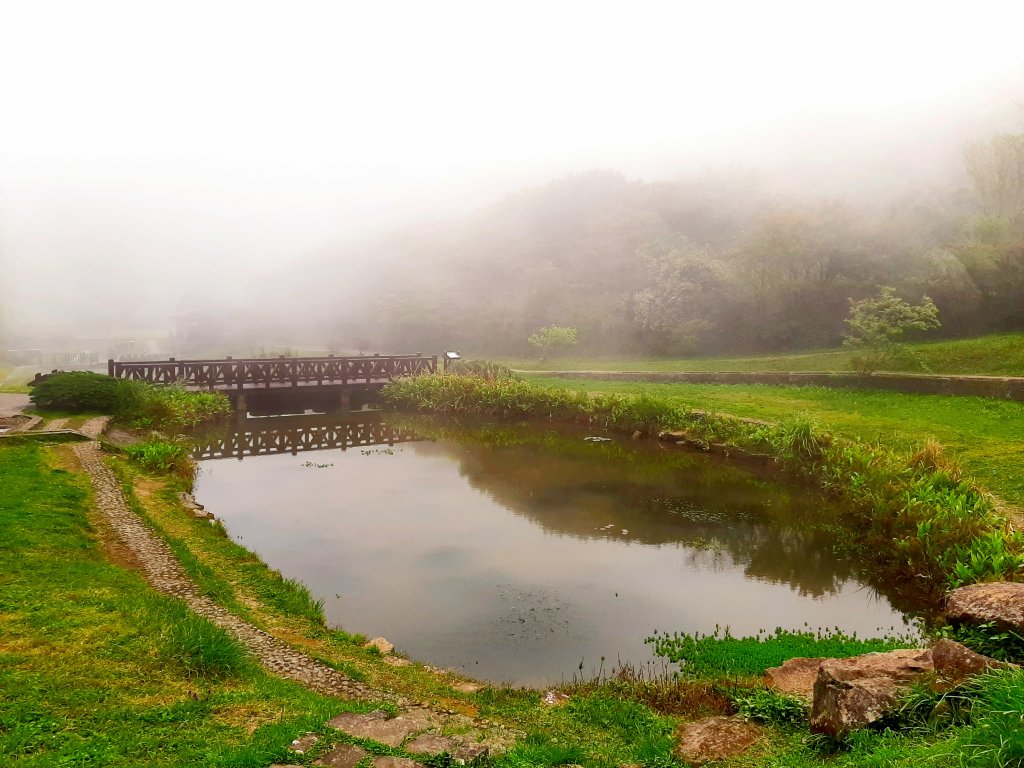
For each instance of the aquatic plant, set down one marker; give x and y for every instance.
(719, 653)
(765, 705)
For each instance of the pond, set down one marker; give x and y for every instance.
(527, 554)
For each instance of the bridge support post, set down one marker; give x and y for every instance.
(345, 400)
(241, 406)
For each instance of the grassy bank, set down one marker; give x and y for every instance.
(912, 512)
(998, 355)
(95, 668)
(986, 437)
(98, 670)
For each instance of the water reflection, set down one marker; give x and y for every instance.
(516, 552)
(291, 434)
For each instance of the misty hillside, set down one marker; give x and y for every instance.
(668, 268)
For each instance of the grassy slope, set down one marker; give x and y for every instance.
(1001, 355)
(986, 436)
(87, 674)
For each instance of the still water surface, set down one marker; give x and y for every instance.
(518, 554)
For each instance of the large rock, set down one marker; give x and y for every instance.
(715, 738)
(954, 663)
(855, 692)
(795, 677)
(1001, 602)
(376, 726)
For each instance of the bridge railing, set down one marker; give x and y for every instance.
(269, 372)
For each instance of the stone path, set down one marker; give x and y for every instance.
(164, 573)
(416, 729)
(12, 404)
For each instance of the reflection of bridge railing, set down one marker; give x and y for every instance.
(274, 372)
(291, 434)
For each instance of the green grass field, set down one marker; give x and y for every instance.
(985, 436)
(999, 355)
(96, 669)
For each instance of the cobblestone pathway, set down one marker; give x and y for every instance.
(164, 573)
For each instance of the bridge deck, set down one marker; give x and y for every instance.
(231, 375)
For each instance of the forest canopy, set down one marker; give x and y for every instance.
(716, 264)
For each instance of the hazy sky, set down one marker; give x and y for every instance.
(149, 148)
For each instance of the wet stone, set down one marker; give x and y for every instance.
(469, 753)
(302, 744)
(395, 762)
(431, 744)
(715, 738)
(342, 756)
(374, 726)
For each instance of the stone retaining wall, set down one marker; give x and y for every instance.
(1001, 388)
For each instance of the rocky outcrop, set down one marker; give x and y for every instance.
(795, 677)
(715, 738)
(855, 692)
(1000, 602)
(954, 663)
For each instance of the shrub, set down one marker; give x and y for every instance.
(878, 325)
(77, 391)
(165, 456)
(553, 338)
(483, 369)
(141, 404)
(767, 706)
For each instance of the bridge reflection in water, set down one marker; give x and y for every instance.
(263, 436)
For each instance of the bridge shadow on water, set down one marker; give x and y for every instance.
(295, 433)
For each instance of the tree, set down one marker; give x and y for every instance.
(553, 338)
(878, 324)
(683, 288)
(996, 169)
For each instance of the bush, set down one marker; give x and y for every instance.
(767, 706)
(77, 391)
(483, 369)
(140, 404)
(169, 408)
(163, 456)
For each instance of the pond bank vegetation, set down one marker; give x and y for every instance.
(153, 687)
(913, 512)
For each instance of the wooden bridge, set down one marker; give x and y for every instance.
(270, 383)
(292, 434)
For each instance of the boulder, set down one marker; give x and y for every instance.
(375, 726)
(954, 663)
(795, 677)
(855, 692)
(381, 644)
(1001, 602)
(715, 738)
